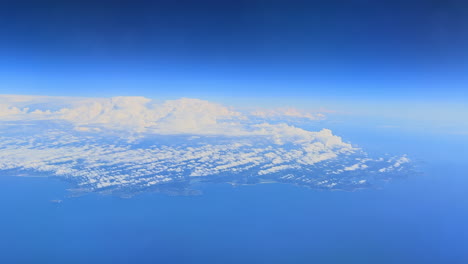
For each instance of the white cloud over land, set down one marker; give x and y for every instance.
(130, 144)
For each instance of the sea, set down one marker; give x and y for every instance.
(419, 219)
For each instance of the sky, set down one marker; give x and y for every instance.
(397, 53)
(128, 96)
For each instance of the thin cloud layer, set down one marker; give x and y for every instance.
(289, 112)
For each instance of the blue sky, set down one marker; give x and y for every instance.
(394, 71)
(332, 53)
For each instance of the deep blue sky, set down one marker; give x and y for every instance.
(322, 49)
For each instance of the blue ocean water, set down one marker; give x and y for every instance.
(422, 219)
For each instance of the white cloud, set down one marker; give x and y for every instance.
(10, 111)
(140, 114)
(397, 164)
(280, 113)
(218, 141)
(137, 114)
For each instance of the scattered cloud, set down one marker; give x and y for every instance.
(174, 143)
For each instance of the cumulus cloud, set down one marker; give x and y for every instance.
(7, 111)
(179, 142)
(140, 114)
(137, 114)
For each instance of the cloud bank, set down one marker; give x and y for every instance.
(131, 144)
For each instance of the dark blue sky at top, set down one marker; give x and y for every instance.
(356, 47)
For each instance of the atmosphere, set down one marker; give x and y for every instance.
(376, 50)
(234, 132)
